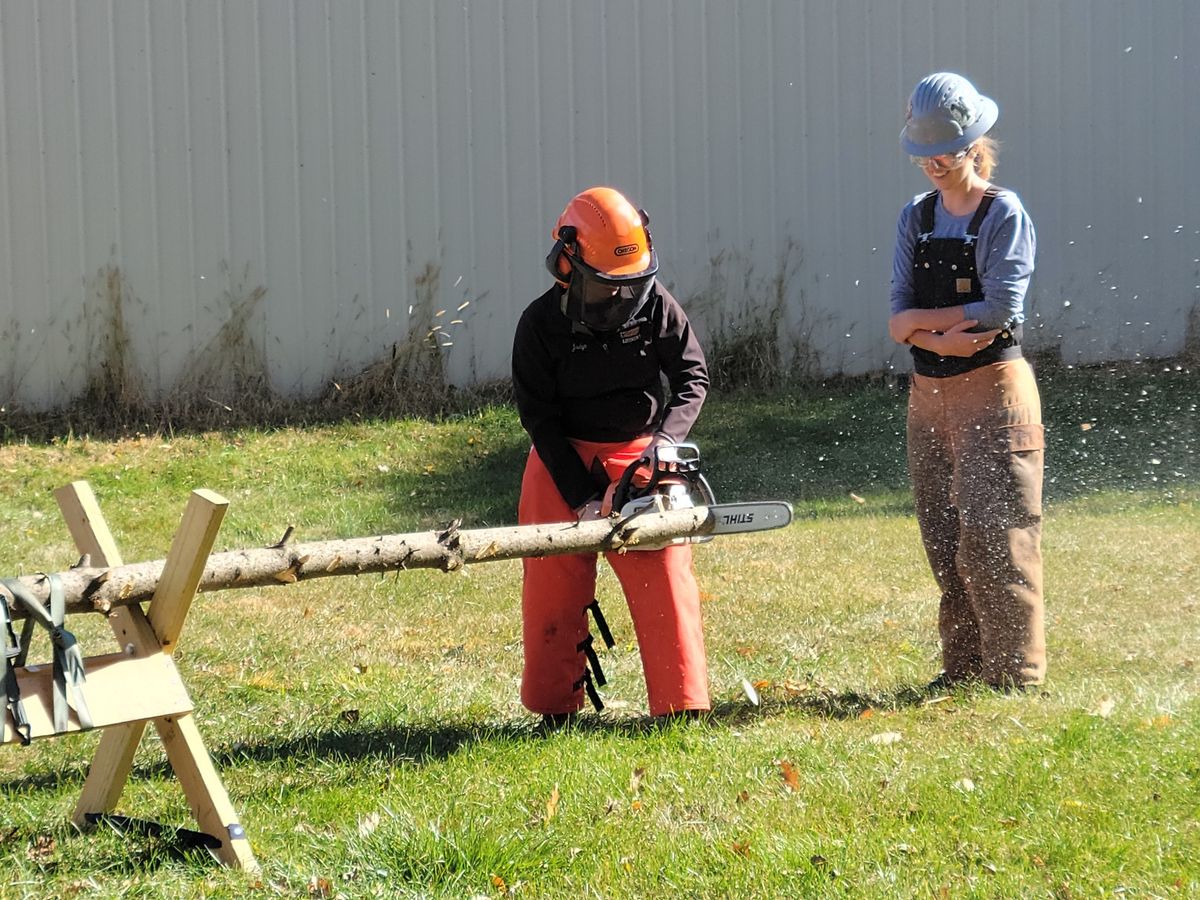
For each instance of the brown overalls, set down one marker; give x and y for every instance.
(975, 447)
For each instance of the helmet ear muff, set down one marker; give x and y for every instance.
(558, 260)
(645, 217)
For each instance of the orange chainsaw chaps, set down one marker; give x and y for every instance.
(659, 586)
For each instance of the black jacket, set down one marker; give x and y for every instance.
(572, 383)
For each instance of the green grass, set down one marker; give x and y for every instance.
(369, 733)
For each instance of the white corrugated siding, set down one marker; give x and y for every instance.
(169, 162)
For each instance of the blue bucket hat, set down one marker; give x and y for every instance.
(945, 115)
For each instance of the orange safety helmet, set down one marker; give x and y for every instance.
(604, 256)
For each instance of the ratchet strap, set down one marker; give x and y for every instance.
(11, 655)
(68, 658)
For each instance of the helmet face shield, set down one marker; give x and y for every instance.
(605, 303)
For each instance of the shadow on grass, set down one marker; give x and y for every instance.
(433, 741)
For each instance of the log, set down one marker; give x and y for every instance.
(92, 589)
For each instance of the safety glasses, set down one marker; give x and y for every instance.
(941, 163)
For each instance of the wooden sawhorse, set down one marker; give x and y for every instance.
(141, 684)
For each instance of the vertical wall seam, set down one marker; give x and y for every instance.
(40, 361)
(368, 302)
(505, 192)
(224, 148)
(339, 304)
(115, 113)
(437, 136)
(155, 240)
(193, 291)
(472, 261)
(81, 200)
(260, 159)
(5, 187)
(297, 229)
(402, 238)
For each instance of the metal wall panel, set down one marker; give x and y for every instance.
(231, 195)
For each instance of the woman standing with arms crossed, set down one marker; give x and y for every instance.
(964, 257)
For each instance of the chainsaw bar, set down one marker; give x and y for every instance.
(735, 518)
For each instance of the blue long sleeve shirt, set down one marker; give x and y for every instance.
(1004, 256)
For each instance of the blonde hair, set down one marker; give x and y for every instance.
(986, 149)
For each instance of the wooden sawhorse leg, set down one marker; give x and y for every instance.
(157, 631)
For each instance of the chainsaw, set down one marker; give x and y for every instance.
(671, 477)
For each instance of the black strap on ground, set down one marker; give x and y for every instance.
(601, 624)
(10, 651)
(593, 660)
(68, 658)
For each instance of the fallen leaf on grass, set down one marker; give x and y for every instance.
(746, 651)
(42, 848)
(791, 778)
(856, 498)
(886, 738)
(499, 884)
(743, 797)
(320, 887)
(741, 848)
(552, 803)
(866, 713)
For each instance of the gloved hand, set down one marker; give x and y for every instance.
(658, 440)
(606, 505)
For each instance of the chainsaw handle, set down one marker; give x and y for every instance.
(621, 493)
